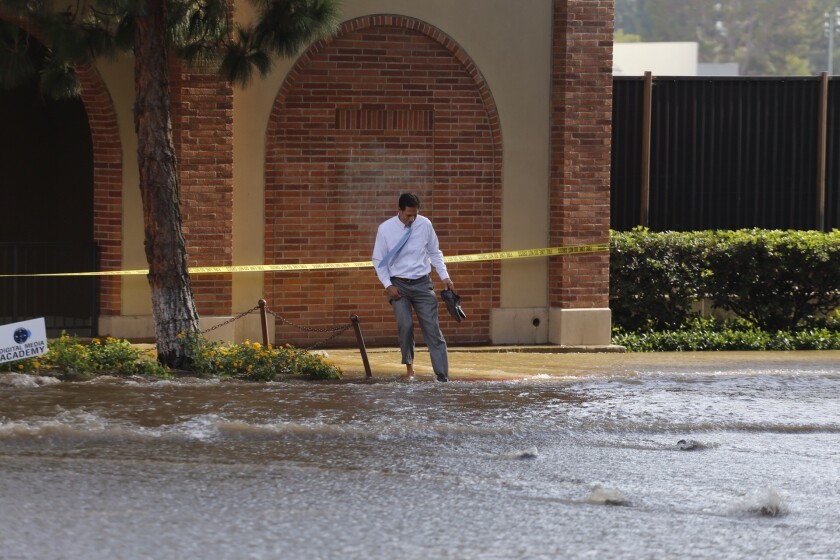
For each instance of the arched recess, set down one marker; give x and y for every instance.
(107, 180)
(389, 104)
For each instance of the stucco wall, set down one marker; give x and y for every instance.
(511, 45)
(516, 66)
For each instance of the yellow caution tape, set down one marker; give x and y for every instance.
(499, 255)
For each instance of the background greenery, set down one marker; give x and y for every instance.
(765, 37)
(766, 289)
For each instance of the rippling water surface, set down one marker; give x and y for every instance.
(717, 461)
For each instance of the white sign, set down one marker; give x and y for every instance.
(23, 340)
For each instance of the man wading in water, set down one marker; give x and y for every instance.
(406, 248)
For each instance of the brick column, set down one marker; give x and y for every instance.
(581, 116)
(202, 121)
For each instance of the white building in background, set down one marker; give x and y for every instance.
(665, 59)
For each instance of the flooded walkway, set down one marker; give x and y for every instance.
(522, 455)
(500, 362)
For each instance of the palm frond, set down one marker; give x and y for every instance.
(197, 21)
(60, 81)
(16, 69)
(67, 42)
(241, 61)
(285, 26)
(20, 56)
(124, 32)
(99, 40)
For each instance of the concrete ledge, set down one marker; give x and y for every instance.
(141, 327)
(127, 326)
(580, 327)
(519, 325)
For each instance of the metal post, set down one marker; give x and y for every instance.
(822, 151)
(647, 96)
(263, 321)
(361, 341)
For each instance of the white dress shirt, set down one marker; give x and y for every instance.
(417, 256)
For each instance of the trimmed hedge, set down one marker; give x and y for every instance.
(775, 280)
(708, 334)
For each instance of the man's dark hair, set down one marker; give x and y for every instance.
(409, 200)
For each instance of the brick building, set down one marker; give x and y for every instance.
(496, 112)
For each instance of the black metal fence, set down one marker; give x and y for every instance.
(725, 153)
(66, 302)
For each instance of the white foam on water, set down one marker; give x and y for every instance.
(67, 425)
(527, 453)
(26, 381)
(606, 496)
(765, 502)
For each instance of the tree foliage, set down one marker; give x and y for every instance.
(199, 31)
(765, 37)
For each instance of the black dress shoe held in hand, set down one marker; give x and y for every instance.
(453, 304)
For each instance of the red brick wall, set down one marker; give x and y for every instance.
(580, 150)
(202, 123)
(107, 186)
(389, 105)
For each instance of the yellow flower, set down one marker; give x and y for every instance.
(96, 341)
(20, 366)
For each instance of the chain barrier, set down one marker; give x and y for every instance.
(213, 328)
(231, 320)
(335, 331)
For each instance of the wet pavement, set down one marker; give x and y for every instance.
(535, 362)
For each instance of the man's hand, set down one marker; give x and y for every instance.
(393, 292)
(448, 284)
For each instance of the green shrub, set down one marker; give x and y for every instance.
(709, 334)
(655, 278)
(74, 359)
(776, 279)
(254, 361)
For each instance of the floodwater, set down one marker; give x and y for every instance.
(714, 455)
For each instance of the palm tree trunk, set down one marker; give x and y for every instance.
(173, 307)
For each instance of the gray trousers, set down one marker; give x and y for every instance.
(420, 296)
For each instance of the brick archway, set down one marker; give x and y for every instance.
(107, 185)
(389, 104)
(107, 179)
